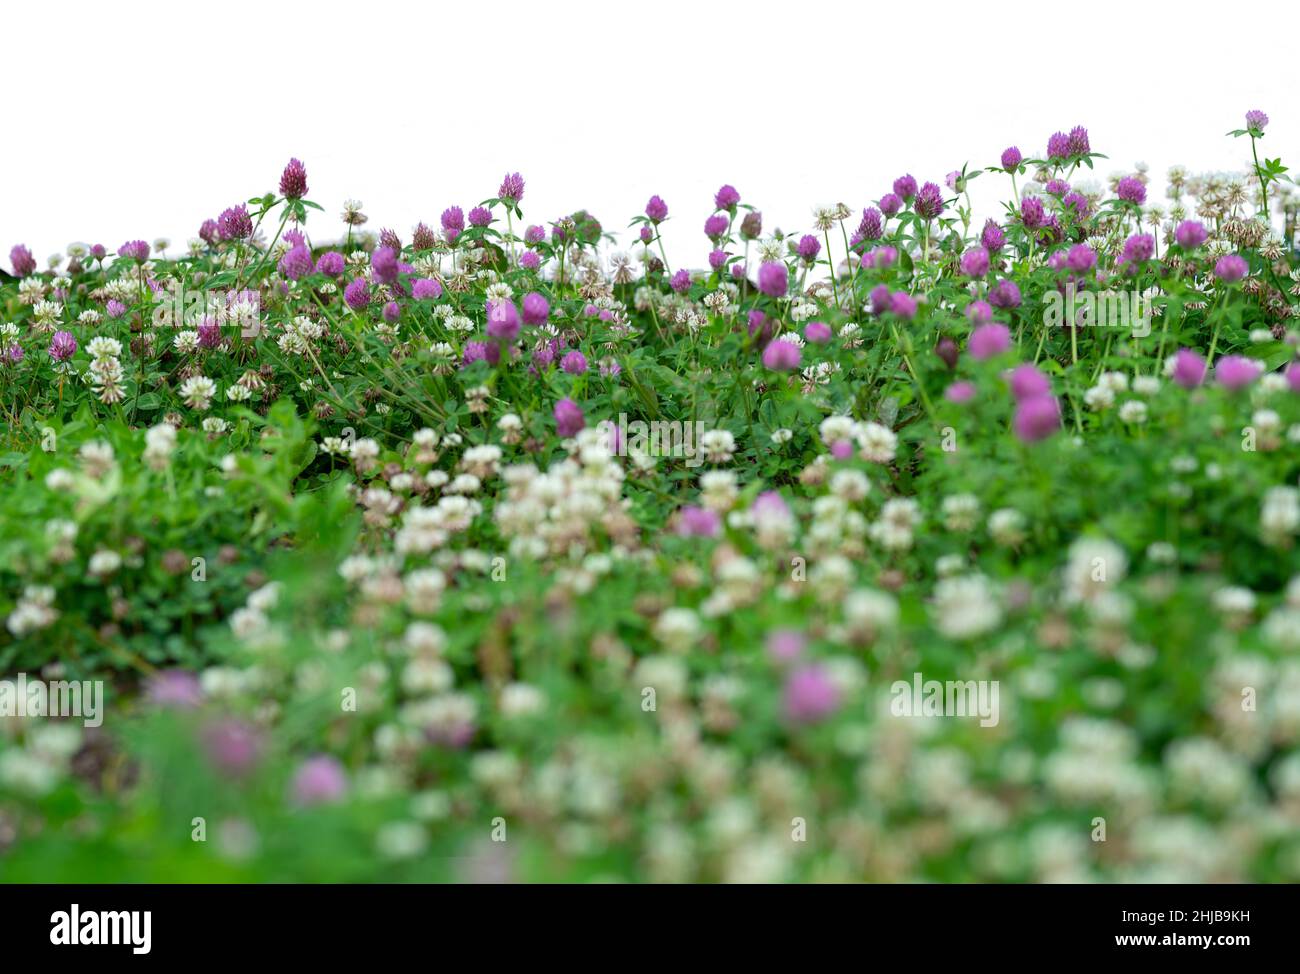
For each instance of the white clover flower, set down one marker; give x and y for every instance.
(851, 485)
(677, 629)
(961, 512)
(965, 606)
(1134, 412)
(197, 391)
(876, 443)
(718, 446)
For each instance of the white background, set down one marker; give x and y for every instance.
(142, 119)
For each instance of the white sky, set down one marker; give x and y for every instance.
(141, 119)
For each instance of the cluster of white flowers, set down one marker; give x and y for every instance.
(966, 606)
(159, 441)
(34, 610)
(1279, 516)
(197, 391)
(556, 511)
(299, 335)
(893, 530)
(105, 372)
(1095, 565)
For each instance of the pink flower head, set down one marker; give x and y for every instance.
(425, 289)
(1027, 381)
(656, 210)
(817, 332)
(1011, 158)
(22, 261)
(975, 262)
(979, 312)
(1190, 234)
(62, 346)
(1235, 372)
(903, 305)
(960, 392)
(319, 780)
(512, 188)
(698, 522)
(233, 746)
(502, 320)
(773, 279)
(293, 181)
(1230, 268)
(574, 363)
(785, 645)
(1189, 368)
(782, 356)
(989, 340)
(1037, 418)
(1293, 376)
(174, 689)
(810, 695)
(568, 418)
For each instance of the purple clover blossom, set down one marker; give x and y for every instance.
(1131, 190)
(698, 522)
(1005, 294)
(357, 294)
(960, 392)
(423, 238)
(1190, 234)
(871, 225)
(512, 188)
(319, 780)
(782, 356)
(1037, 418)
(715, 226)
(1235, 372)
(502, 320)
(22, 261)
(62, 346)
(810, 695)
(1138, 249)
(718, 259)
(536, 308)
(890, 204)
(174, 689)
(1188, 369)
(474, 352)
(569, 420)
(1081, 259)
(905, 187)
(656, 210)
(383, 262)
(1231, 268)
(1079, 143)
(903, 305)
(293, 181)
(726, 198)
(993, 237)
(210, 233)
(975, 262)
(1079, 204)
(1058, 147)
(1027, 381)
(453, 223)
(535, 235)
(392, 312)
(1056, 187)
(330, 263)
(817, 332)
(681, 281)
(574, 363)
(1031, 213)
(979, 312)
(529, 260)
(115, 308)
(880, 298)
(1011, 158)
(929, 201)
(426, 289)
(296, 263)
(1256, 120)
(809, 247)
(136, 250)
(235, 223)
(773, 279)
(988, 340)
(480, 216)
